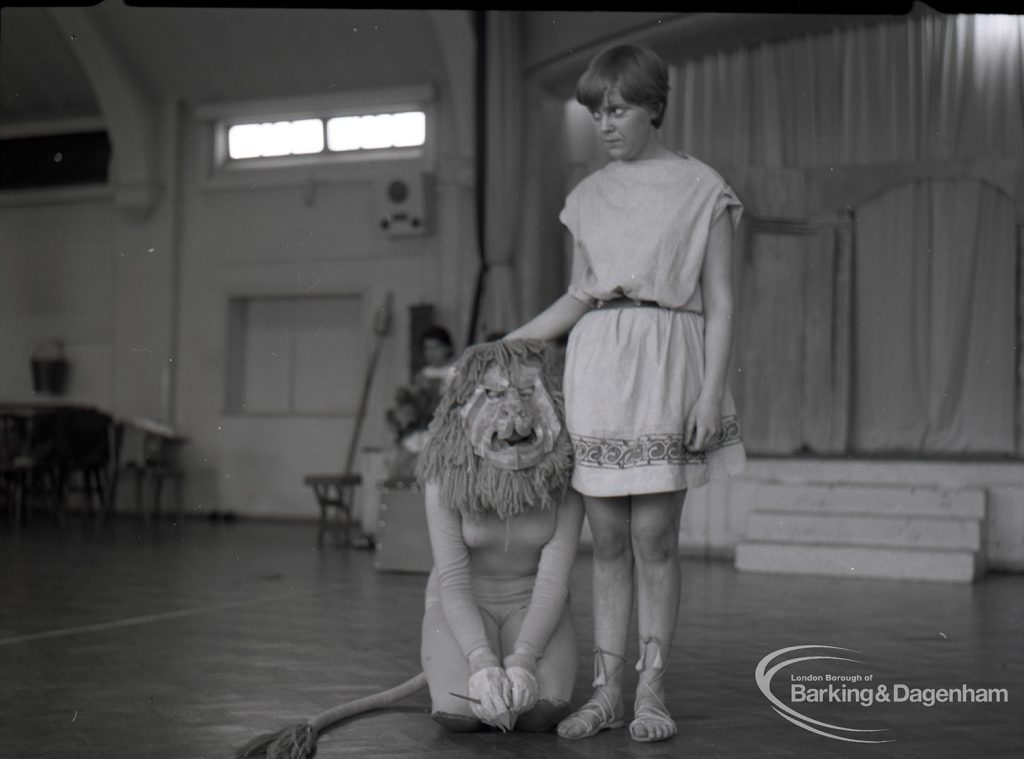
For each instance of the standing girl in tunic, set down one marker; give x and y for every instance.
(650, 309)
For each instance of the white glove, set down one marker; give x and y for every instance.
(524, 689)
(491, 688)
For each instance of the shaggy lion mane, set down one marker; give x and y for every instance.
(469, 483)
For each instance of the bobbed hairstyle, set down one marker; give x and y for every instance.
(639, 74)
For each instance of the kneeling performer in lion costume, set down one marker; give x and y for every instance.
(504, 531)
(498, 645)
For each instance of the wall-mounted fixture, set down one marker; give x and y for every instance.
(404, 204)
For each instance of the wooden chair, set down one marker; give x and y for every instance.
(15, 468)
(29, 476)
(85, 458)
(152, 457)
(336, 494)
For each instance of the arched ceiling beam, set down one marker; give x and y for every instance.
(130, 112)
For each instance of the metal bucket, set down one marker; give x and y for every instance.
(50, 368)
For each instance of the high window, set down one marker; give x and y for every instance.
(340, 134)
(339, 128)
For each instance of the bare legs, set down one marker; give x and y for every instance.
(613, 605)
(655, 533)
(636, 539)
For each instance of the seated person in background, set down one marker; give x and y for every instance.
(415, 403)
(436, 374)
(498, 645)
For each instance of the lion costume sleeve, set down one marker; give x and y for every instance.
(551, 590)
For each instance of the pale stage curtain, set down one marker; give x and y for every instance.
(499, 308)
(936, 340)
(916, 89)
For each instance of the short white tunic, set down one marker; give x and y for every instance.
(641, 230)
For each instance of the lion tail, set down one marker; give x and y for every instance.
(299, 741)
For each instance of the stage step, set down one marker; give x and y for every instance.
(859, 561)
(855, 530)
(886, 500)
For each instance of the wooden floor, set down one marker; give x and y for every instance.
(182, 642)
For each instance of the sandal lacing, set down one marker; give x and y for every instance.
(648, 708)
(598, 713)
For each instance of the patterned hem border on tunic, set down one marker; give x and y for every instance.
(647, 450)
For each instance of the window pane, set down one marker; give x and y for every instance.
(307, 136)
(328, 366)
(409, 129)
(295, 354)
(385, 130)
(375, 131)
(244, 141)
(344, 133)
(276, 139)
(267, 355)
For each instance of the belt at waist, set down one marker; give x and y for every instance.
(631, 303)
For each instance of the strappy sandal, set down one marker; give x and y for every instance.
(598, 713)
(594, 716)
(649, 710)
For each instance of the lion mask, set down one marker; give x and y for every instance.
(497, 442)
